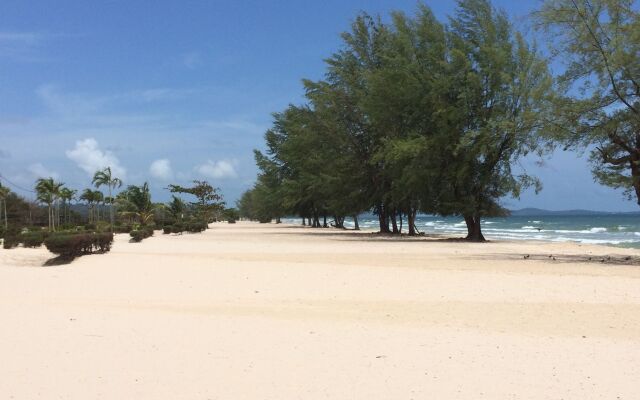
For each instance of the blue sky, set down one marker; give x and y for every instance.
(170, 91)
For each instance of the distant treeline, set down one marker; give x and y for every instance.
(420, 116)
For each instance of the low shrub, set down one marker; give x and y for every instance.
(177, 228)
(10, 241)
(142, 233)
(197, 227)
(167, 229)
(90, 227)
(33, 239)
(71, 245)
(231, 221)
(122, 228)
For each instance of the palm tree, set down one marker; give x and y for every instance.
(88, 196)
(105, 177)
(48, 192)
(4, 193)
(98, 198)
(176, 208)
(66, 195)
(138, 203)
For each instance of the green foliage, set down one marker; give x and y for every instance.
(209, 202)
(135, 202)
(10, 241)
(142, 233)
(412, 116)
(231, 215)
(599, 110)
(178, 228)
(71, 245)
(33, 239)
(122, 228)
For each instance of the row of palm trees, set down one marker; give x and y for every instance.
(55, 195)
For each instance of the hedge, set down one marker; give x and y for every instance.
(33, 239)
(10, 241)
(141, 233)
(70, 245)
(192, 227)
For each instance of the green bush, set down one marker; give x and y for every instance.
(10, 241)
(167, 229)
(122, 228)
(197, 227)
(33, 239)
(90, 227)
(71, 245)
(231, 221)
(142, 233)
(177, 228)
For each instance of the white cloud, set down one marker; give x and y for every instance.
(222, 169)
(88, 155)
(161, 169)
(40, 171)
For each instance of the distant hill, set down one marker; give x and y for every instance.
(530, 212)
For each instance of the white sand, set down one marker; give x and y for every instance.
(252, 311)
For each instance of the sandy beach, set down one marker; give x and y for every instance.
(250, 311)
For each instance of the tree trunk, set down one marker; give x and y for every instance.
(411, 220)
(324, 225)
(110, 209)
(355, 223)
(278, 220)
(394, 223)
(383, 219)
(635, 174)
(474, 231)
(316, 219)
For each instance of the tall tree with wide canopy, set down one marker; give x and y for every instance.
(503, 92)
(599, 41)
(209, 199)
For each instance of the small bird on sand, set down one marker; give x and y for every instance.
(526, 256)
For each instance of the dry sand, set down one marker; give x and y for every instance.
(252, 311)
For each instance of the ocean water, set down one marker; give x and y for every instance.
(610, 229)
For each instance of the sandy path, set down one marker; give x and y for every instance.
(273, 312)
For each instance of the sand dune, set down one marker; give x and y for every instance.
(251, 311)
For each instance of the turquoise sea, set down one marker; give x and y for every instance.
(611, 229)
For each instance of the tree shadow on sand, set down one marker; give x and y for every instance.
(60, 260)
